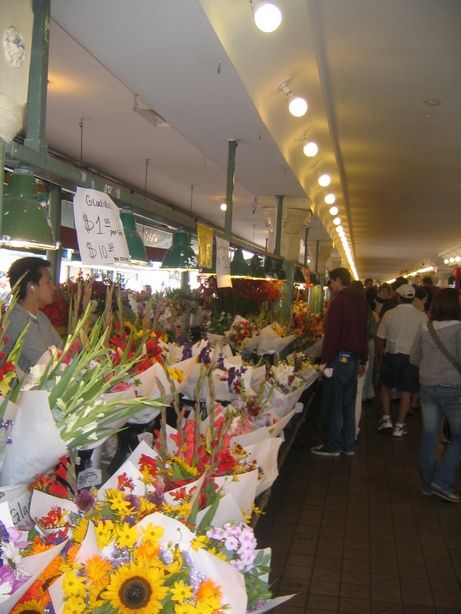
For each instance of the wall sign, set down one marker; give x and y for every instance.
(100, 234)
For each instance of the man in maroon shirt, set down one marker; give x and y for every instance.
(344, 354)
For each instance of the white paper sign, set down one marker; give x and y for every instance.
(100, 234)
(223, 277)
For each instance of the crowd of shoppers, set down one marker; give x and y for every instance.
(407, 340)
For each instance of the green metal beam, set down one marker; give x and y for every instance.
(230, 187)
(38, 77)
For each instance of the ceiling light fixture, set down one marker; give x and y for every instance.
(324, 180)
(330, 199)
(334, 210)
(180, 256)
(133, 240)
(296, 105)
(311, 149)
(267, 15)
(25, 223)
(238, 266)
(223, 205)
(256, 268)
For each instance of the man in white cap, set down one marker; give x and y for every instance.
(395, 337)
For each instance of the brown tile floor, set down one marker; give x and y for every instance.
(354, 534)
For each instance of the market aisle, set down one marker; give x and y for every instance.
(354, 534)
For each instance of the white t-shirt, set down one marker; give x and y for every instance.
(399, 327)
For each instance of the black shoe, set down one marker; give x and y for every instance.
(322, 451)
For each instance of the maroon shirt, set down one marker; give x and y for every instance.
(346, 326)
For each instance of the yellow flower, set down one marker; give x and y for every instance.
(80, 531)
(146, 507)
(105, 533)
(200, 541)
(118, 503)
(73, 586)
(151, 533)
(180, 591)
(136, 588)
(126, 535)
(184, 608)
(74, 605)
(29, 607)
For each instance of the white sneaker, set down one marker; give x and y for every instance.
(399, 430)
(385, 423)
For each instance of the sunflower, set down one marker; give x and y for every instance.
(29, 607)
(136, 588)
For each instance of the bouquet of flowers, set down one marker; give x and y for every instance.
(242, 334)
(307, 327)
(68, 400)
(287, 387)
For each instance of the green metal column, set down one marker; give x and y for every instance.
(306, 251)
(278, 224)
(230, 187)
(2, 162)
(54, 214)
(287, 290)
(38, 78)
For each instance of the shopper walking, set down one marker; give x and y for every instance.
(436, 350)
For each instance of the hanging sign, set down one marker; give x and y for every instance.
(205, 246)
(223, 277)
(100, 235)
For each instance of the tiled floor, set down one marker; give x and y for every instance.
(354, 534)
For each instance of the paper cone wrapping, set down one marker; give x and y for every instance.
(10, 414)
(36, 445)
(266, 453)
(258, 376)
(284, 403)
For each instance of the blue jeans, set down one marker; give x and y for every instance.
(338, 405)
(435, 402)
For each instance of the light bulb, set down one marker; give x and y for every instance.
(223, 206)
(297, 106)
(311, 149)
(334, 210)
(340, 230)
(337, 221)
(324, 180)
(267, 16)
(330, 199)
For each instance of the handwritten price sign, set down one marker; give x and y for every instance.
(100, 234)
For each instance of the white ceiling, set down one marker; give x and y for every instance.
(367, 68)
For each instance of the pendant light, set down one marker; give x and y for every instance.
(280, 271)
(25, 223)
(269, 269)
(238, 266)
(133, 240)
(299, 277)
(256, 268)
(180, 256)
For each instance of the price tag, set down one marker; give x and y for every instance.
(100, 234)
(89, 478)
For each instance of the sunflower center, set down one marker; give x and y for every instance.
(135, 593)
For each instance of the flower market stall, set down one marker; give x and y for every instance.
(169, 525)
